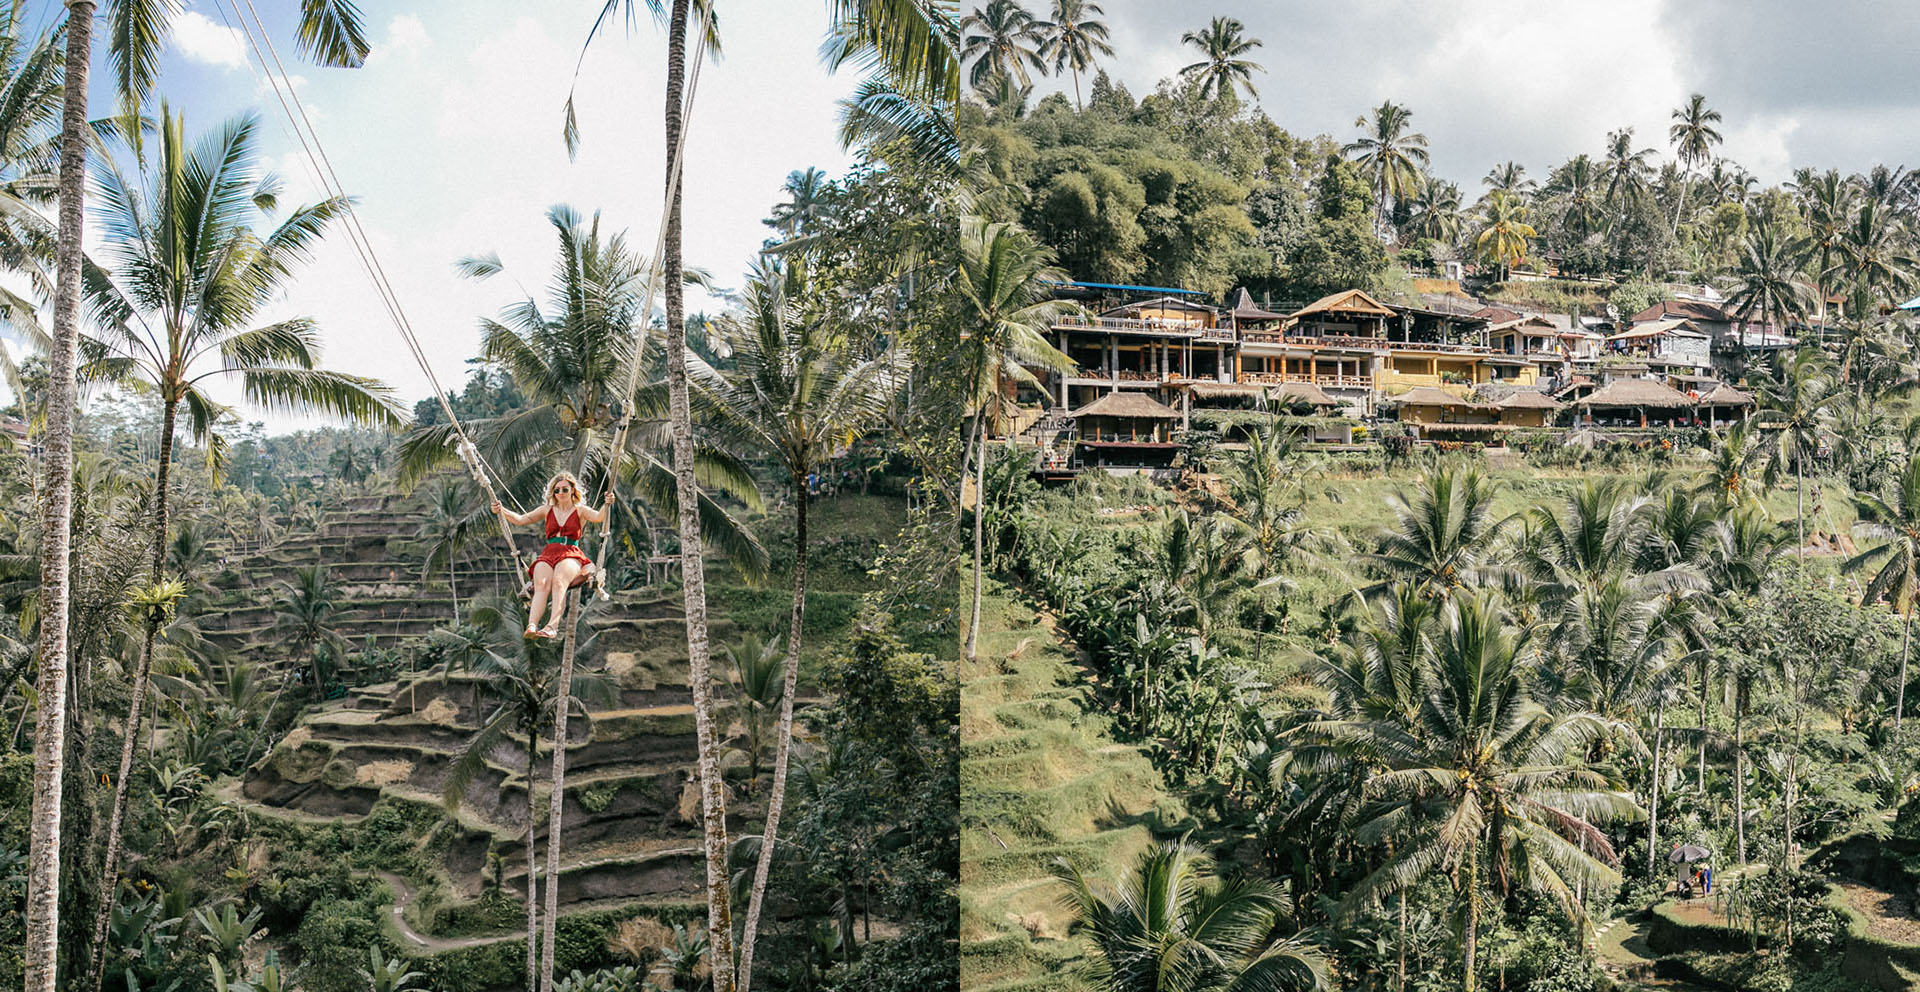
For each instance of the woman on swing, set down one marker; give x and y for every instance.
(558, 567)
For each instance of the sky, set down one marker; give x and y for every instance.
(450, 138)
(1833, 84)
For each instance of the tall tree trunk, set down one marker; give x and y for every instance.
(783, 740)
(1900, 690)
(136, 708)
(56, 516)
(533, 876)
(979, 535)
(713, 797)
(452, 592)
(557, 785)
(1653, 802)
(1471, 934)
(1700, 771)
(1740, 773)
(1800, 500)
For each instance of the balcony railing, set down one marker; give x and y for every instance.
(1359, 344)
(1138, 325)
(1318, 379)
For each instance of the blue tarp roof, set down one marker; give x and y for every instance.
(1132, 289)
(1913, 304)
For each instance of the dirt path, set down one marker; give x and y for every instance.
(403, 897)
(1889, 916)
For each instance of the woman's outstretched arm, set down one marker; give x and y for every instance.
(593, 516)
(519, 519)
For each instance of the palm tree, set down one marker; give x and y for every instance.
(1170, 926)
(1391, 155)
(693, 575)
(450, 527)
(1509, 177)
(1074, 37)
(1003, 281)
(1625, 172)
(1693, 137)
(1223, 68)
(1504, 231)
(1876, 261)
(1444, 532)
(306, 607)
(1768, 286)
(1794, 397)
(1003, 42)
(799, 390)
(1826, 200)
(1271, 522)
(188, 276)
(809, 196)
(1894, 517)
(1484, 780)
(1575, 185)
(1436, 211)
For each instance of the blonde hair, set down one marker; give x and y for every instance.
(579, 495)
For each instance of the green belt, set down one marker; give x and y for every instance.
(564, 540)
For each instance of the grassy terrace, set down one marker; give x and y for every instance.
(1041, 779)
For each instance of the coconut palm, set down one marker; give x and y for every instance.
(1223, 68)
(1170, 926)
(1876, 262)
(809, 196)
(1484, 782)
(1794, 398)
(1504, 231)
(1003, 40)
(186, 280)
(1576, 186)
(799, 390)
(1270, 521)
(1769, 288)
(571, 358)
(1443, 535)
(1625, 172)
(450, 527)
(1826, 201)
(1436, 211)
(306, 607)
(1075, 37)
(1509, 177)
(1894, 517)
(1390, 154)
(1693, 137)
(1004, 282)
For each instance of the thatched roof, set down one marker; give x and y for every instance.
(1638, 393)
(1429, 396)
(1243, 308)
(1725, 395)
(1351, 301)
(1209, 390)
(1301, 392)
(1139, 406)
(1675, 328)
(1527, 399)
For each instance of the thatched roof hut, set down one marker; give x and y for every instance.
(1637, 394)
(1725, 395)
(1135, 406)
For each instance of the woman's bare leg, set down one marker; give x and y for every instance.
(563, 576)
(542, 583)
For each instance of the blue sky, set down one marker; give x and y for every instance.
(450, 139)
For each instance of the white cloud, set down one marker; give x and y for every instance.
(200, 40)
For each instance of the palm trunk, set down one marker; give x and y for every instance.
(1900, 690)
(783, 745)
(56, 518)
(1700, 772)
(979, 534)
(713, 797)
(1800, 500)
(285, 680)
(1471, 934)
(1653, 802)
(136, 708)
(453, 593)
(533, 878)
(1740, 774)
(557, 786)
(1077, 105)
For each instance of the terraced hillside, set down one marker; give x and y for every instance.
(1041, 779)
(630, 817)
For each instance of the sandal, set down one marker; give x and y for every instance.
(531, 633)
(549, 633)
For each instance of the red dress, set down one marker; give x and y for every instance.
(563, 542)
